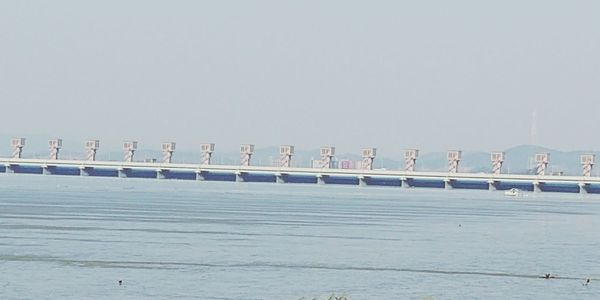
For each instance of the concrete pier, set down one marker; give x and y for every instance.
(239, 176)
(583, 188)
(320, 179)
(492, 185)
(84, 171)
(537, 186)
(362, 180)
(448, 184)
(280, 178)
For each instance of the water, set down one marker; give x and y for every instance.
(74, 238)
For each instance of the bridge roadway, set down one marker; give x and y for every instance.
(573, 184)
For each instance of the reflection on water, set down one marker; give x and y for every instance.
(73, 238)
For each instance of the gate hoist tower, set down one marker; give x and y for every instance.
(368, 156)
(167, 150)
(327, 154)
(91, 147)
(286, 152)
(17, 147)
(246, 152)
(410, 159)
(207, 151)
(454, 157)
(54, 146)
(129, 147)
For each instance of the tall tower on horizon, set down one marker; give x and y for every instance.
(533, 140)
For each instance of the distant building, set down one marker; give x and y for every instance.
(345, 164)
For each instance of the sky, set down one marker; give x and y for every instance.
(433, 75)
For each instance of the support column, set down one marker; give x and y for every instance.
(122, 172)
(280, 178)
(55, 146)
(161, 173)
(537, 187)
(167, 150)
(200, 175)
(321, 179)
(405, 182)
(362, 180)
(492, 185)
(17, 147)
(239, 176)
(448, 183)
(46, 170)
(85, 171)
(583, 188)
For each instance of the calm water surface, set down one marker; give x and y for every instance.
(74, 238)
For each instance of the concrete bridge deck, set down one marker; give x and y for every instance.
(572, 184)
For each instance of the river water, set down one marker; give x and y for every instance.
(75, 238)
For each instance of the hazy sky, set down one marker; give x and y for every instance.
(390, 74)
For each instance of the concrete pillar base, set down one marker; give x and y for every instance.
(279, 178)
(84, 171)
(405, 183)
(448, 184)
(9, 169)
(583, 188)
(362, 181)
(320, 179)
(239, 177)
